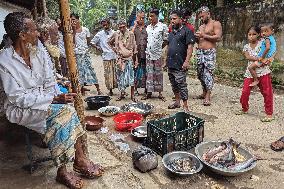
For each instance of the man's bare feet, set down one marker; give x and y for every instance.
(69, 179)
(88, 169)
(185, 109)
(255, 83)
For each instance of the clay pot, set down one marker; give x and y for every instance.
(93, 123)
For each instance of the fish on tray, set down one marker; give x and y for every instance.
(227, 156)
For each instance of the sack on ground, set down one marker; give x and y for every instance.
(144, 159)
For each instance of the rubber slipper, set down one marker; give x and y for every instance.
(173, 106)
(278, 145)
(162, 98)
(206, 103)
(267, 119)
(240, 112)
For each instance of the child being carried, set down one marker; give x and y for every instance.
(267, 51)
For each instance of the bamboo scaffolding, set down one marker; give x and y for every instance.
(70, 56)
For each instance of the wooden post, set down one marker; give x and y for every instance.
(70, 56)
(44, 9)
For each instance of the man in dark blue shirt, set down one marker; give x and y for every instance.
(181, 41)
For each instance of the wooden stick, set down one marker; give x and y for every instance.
(70, 56)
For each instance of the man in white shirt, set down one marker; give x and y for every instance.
(157, 38)
(28, 83)
(109, 57)
(82, 38)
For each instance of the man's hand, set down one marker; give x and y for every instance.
(65, 98)
(99, 49)
(199, 34)
(136, 64)
(185, 65)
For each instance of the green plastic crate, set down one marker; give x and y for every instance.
(181, 131)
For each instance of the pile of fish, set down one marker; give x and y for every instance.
(182, 165)
(131, 121)
(226, 156)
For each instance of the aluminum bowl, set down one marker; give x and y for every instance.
(181, 154)
(139, 132)
(139, 107)
(109, 110)
(97, 102)
(203, 147)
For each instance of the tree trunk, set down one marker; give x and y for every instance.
(70, 56)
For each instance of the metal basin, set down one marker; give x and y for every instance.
(139, 132)
(201, 148)
(109, 110)
(139, 107)
(181, 154)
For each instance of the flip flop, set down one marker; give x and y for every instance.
(278, 145)
(71, 185)
(120, 98)
(206, 103)
(240, 112)
(134, 99)
(267, 119)
(90, 172)
(173, 106)
(162, 98)
(147, 96)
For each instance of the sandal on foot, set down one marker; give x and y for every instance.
(145, 97)
(240, 112)
(267, 119)
(206, 103)
(133, 99)
(173, 106)
(73, 183)
(162, 98)
(110, 93)
(278, 145)
(120, 98)
(91, 172)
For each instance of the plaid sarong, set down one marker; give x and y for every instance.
(63, 127)
(206, 59)
(154, 70)
(109, 73)
(87, 73)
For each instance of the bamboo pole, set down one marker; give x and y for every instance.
(44, 9)
(70, 56)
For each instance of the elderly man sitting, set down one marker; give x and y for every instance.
(30, 100)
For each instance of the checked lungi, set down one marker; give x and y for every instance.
(206, 60)
(178, 83)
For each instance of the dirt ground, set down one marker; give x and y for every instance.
(220, 124)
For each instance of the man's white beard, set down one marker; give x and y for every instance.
(32, 48)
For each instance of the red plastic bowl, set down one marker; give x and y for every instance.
(127, 121)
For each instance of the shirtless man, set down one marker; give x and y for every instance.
(209, 33)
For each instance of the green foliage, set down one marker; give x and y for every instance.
(91, 11)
